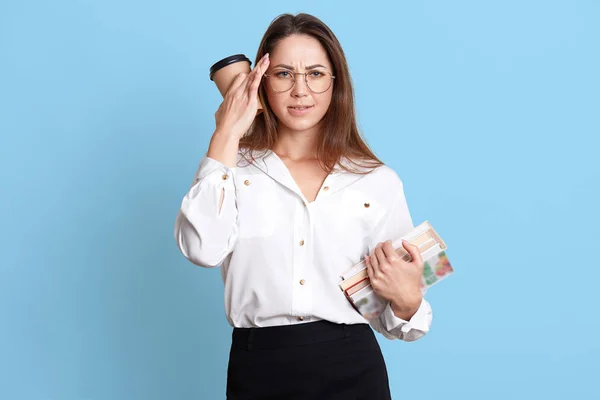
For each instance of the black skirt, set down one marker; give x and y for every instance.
(314, 360)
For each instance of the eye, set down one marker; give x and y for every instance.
(316, 74)
(283, 74)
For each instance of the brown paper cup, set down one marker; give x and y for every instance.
(223, 73)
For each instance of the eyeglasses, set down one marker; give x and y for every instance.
(282, 80)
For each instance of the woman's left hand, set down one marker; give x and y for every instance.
(396, 280)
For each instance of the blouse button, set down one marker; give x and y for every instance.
(326, 188)
(300, 318)
(367, 205)
(224, 177)
(302, 281)
(247, 182)
(302, 243)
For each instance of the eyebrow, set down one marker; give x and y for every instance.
(292, 68)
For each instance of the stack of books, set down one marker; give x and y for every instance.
(356, 285)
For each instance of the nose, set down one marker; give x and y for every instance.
(299, 89)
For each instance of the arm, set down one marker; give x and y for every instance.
(397, 322)
(206, 227)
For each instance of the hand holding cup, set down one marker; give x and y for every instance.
(240, 103)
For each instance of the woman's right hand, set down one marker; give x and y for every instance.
(240, 104)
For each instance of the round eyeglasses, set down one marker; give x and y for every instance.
(282, 80)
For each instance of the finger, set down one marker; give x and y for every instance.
(237, 82)
(257, 73)
(380, 255)
(252, 73)
(389, 252)
(373, 259)
(260, 65)
(414, 252)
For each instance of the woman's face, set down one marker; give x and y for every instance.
(299, 53)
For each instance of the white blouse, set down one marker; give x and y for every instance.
(281, 256)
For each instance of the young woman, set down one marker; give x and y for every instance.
(285, 202)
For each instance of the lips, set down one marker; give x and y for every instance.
(299, 111)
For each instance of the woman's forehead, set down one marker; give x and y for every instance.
(299, 51)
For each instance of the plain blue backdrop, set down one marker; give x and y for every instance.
(489, 112)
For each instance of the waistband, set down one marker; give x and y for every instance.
(274, 337)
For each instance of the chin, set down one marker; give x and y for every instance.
(300, 125)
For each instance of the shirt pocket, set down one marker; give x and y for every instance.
(352, 220)
(256, 204)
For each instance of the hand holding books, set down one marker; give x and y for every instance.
(356, 285)
(396, 280)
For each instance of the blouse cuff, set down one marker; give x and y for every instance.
(421, 320)
(214, 172)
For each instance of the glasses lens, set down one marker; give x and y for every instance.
(318, 81)
(281, 80)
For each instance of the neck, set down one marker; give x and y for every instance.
(297, 145)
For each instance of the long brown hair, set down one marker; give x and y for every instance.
(339, 135)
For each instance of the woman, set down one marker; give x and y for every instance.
(288, 201)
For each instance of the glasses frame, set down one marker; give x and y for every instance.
(268, 76)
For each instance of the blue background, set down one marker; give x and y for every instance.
(489, 112)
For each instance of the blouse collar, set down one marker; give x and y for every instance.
(270, 164)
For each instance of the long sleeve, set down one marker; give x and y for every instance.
(206, 233)
(396, 223)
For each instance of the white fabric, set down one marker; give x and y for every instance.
(256, 237)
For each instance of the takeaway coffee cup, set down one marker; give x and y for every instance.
(223, 72)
